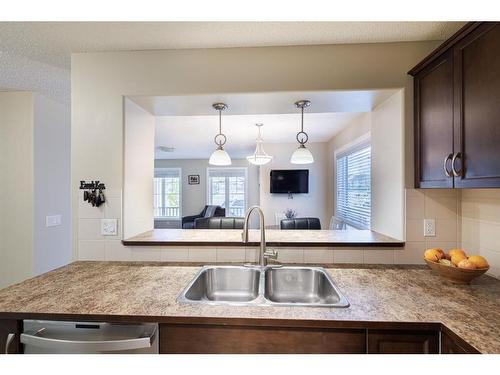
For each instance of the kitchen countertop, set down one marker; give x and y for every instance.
(139, 291)
(274, 237)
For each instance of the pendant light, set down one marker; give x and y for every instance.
(259, 157)
(302, 155)
(220, 156)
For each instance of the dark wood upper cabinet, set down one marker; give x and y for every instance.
(434, 116)
(457, 111)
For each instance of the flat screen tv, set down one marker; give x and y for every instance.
(290, 181)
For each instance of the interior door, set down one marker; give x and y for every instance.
(434, 124)
(477, 108)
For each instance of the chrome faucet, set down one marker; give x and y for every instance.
(264, 253)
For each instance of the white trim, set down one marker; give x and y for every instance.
(245, 169)
(361, 139)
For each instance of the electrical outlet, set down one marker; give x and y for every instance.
(429, 228)
(109, 227)
(53, 220)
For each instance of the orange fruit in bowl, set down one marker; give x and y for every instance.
(467, 264)
(433, 255)
(456, 251)
(478, 261)
(457, 258)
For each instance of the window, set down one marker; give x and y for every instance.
(227, 188)
(167, 193)
(353, 186)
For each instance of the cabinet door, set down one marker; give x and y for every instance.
(217, 339)
(434, 124)
(10, 327)
(403, 342)
(452, 344)
(477, 107)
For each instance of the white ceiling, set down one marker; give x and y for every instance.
(193, 136)
(54, 42)
(263, 103)
(189, 123)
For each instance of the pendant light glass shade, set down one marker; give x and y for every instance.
(259, 157)
(302, 155)
(220, 157)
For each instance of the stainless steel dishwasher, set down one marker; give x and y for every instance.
(43, 336)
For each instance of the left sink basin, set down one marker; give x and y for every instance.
(223, 284)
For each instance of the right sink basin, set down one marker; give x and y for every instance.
(303, 286)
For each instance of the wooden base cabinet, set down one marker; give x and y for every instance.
(402, 342)
(219, 339)
(10, 331)
(452, 344)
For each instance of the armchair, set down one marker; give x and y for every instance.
(208, 211)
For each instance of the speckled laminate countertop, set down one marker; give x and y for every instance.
(274, 237)
(135, 290)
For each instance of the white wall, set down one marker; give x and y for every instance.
(387, 137)
(99, 81)
(52, 183)
(138, 170)
(16, 187)
(358, 127)
(306, 205)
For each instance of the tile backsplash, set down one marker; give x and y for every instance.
(480, 224)
(468, 218)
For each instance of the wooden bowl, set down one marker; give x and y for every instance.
(455, 274)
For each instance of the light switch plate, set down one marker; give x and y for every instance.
(53, 220)
(429, 227)
(109, 227)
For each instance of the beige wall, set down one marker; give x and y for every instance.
(387, 167)
(99, 80)
(480, 220)
(306, 205)
(52, 184)
(16, 187)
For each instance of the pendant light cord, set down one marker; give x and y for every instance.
(302, 120)
(220, 121)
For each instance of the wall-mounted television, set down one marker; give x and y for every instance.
(290, 181)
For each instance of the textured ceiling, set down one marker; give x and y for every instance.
(53, 42)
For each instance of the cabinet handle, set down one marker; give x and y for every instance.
(455, 173)
(8, 342)
(445, 163)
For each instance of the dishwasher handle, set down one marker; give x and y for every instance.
(77, 346)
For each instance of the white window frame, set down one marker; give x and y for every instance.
(365, 138)
(179, 171)
(207, 179)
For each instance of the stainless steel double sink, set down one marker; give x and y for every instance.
(258, 286)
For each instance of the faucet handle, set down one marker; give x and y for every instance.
(271, 254)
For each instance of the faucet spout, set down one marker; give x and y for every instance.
(263, 255)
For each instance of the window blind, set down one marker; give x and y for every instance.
(353, 186)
